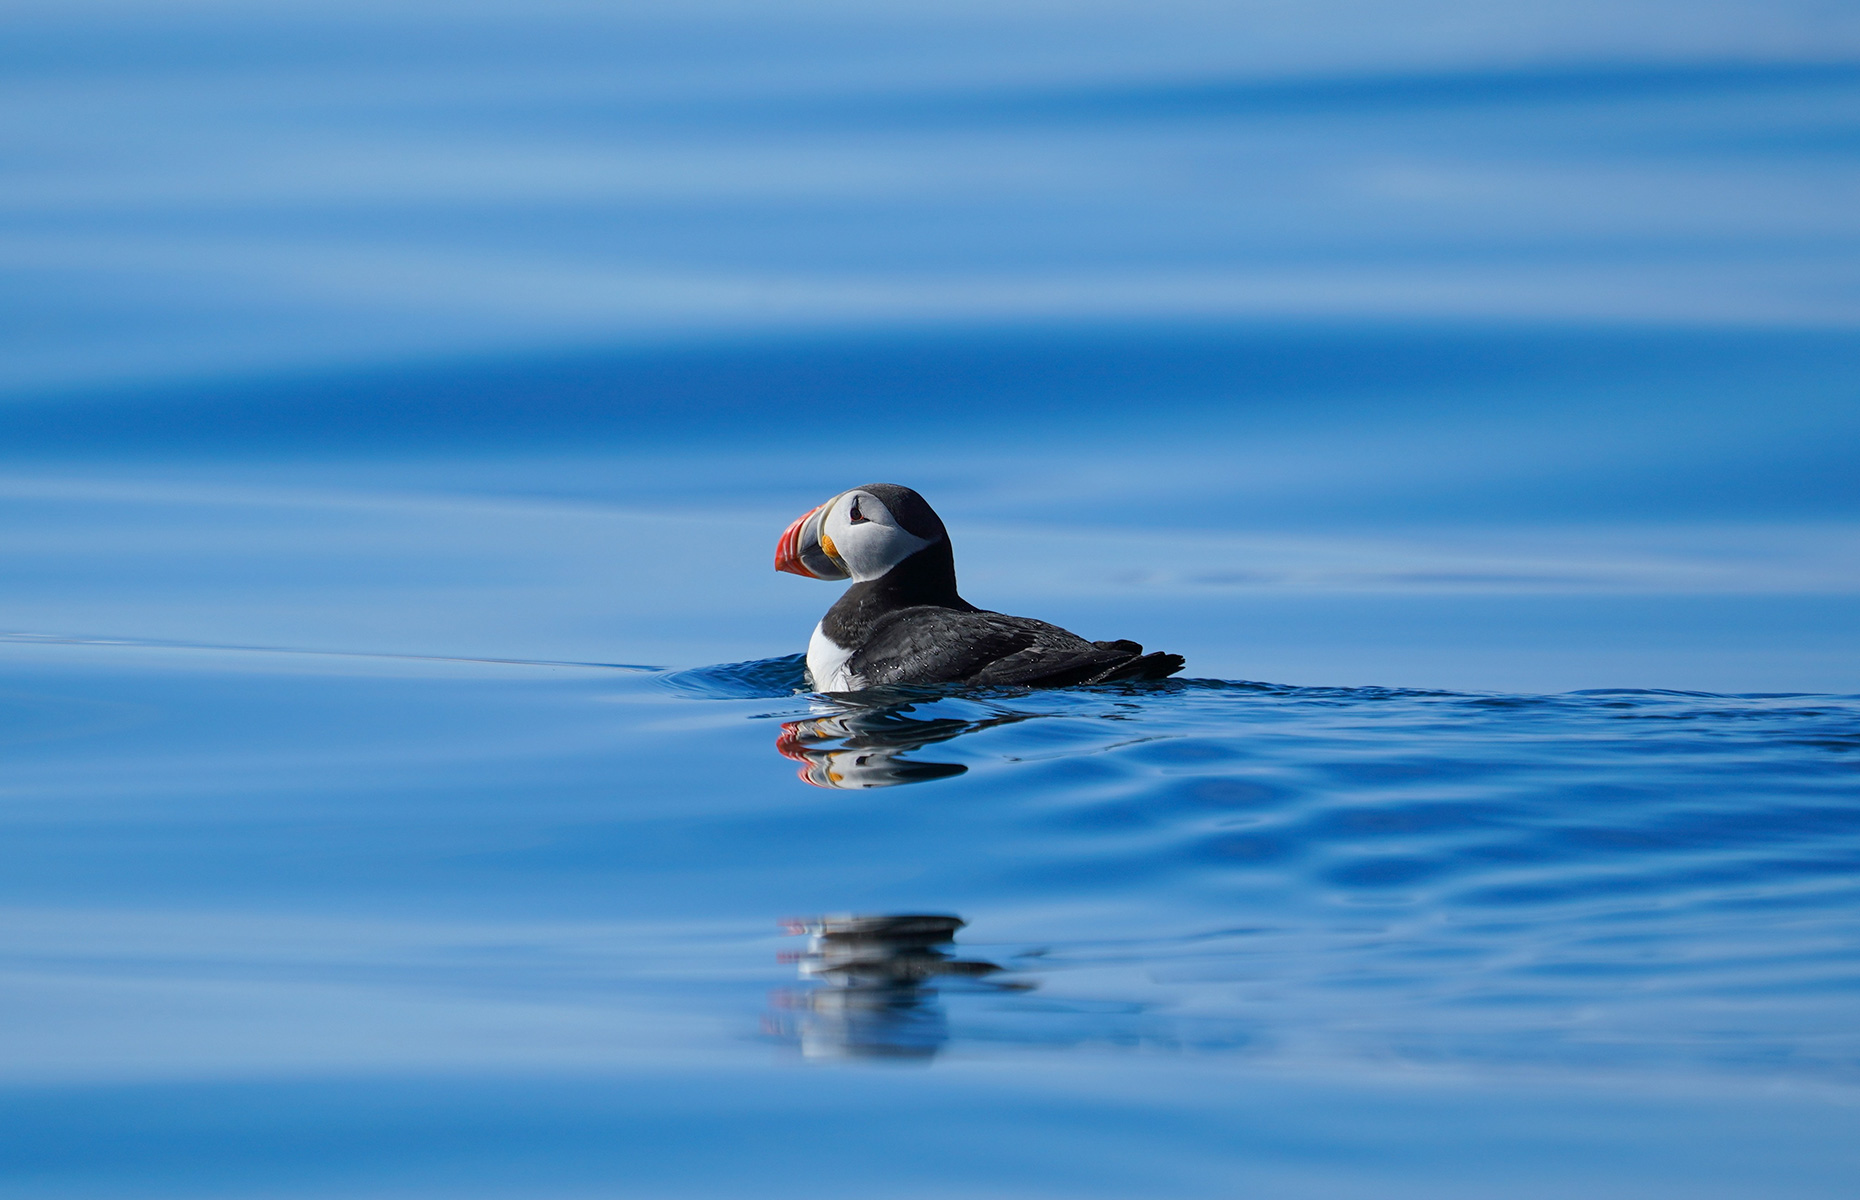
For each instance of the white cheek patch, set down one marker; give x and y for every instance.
(869, 556)
(873, 546)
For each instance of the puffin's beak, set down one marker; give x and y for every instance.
(801, 552)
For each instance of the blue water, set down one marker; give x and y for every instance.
(406, 787)
(307, 924)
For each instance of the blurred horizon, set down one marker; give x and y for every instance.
(220, 188)
(1171, 309)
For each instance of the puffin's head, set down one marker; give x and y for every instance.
(859, 535)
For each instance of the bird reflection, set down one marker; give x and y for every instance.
(866, 747)
(876, 993)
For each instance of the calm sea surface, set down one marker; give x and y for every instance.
(292, 924)
(405, 784)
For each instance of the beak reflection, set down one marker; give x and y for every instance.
(866, 747)
(875, 981)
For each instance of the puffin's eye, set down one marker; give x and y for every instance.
(854, 516)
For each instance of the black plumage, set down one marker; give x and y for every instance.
(910, 625)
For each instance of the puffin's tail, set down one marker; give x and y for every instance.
(1155, 665)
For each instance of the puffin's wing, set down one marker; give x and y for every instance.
(989, 649)
(1063, 666)
(1047, 666)
(931, 644)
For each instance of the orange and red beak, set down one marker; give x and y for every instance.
(804, 549)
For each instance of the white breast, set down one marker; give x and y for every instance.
(826, 664)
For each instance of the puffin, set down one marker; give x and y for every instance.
(902, 620)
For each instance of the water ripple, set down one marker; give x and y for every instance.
(1619, 879)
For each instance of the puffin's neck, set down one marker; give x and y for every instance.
(927, 577)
